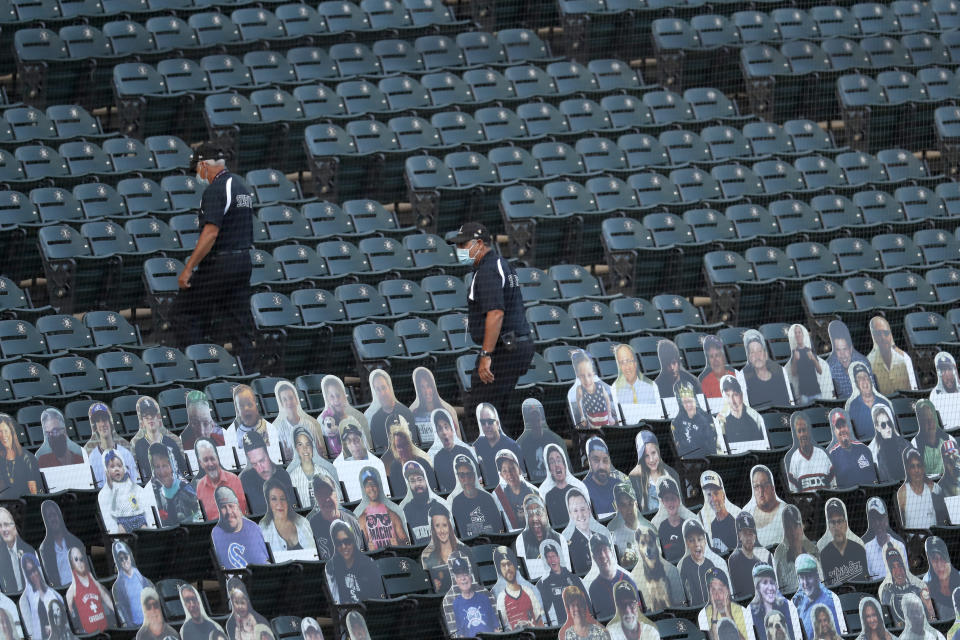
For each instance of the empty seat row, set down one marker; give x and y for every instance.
(532, 122)
(116, 372)
(822, 218)
(270, 69)
(681, 189)
(789, 23)
(800, 76)
(613, 111)
(175, 94)
(86, 54)
(575, 121)
(808, 277)
(329, 264)
(348, 163)
(837, 54)
(205, 32)
(327, 17)
(59, 122)
(680, 244)
(116, 159)
(348, 61)
(323, 220)
(894, 257)
(55, 335)
(132, 197)
(896, 107)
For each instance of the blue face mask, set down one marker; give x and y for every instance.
(203, 182)
(463, 256)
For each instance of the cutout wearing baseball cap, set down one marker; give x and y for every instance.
(147, 406)
(944, 361)
(713, 573)
(253, 440)
(936, 545)
(667, 486)
(692, 528)
(624, 593)
(763, 570)
(805, 563)
(858, 368)
(745, 521)
(876, 504)
(711, 479)
(98, 408)
(459, 564)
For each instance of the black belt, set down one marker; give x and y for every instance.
(230, 252)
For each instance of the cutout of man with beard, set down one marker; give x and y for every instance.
(946, 395)
(536, 532)
(416, 506)
(841, 553)
(812, 594)
(381, 520)
(518, 603)
(629, 623)
(198, 625)
(899, 583)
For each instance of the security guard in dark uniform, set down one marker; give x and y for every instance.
(496, 322)
(218, 294)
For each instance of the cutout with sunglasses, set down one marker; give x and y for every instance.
(36, 597)
(154, 626)
(892, 366)
(128, 586)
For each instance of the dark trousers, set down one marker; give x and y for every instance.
(217, 305)
(507, 367)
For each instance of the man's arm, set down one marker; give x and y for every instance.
(491, 333)
(204, 243)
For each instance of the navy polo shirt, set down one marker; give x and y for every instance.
(495, 286)
(227, 204)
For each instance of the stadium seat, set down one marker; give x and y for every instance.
(19, 339)
(550, 323)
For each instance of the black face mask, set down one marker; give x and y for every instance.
(58, 444)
